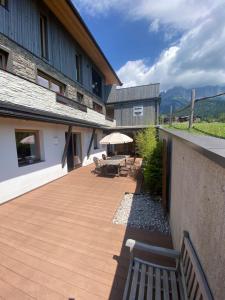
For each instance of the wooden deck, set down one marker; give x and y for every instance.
(58, 241)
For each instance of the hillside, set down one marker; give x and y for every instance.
(179, 97)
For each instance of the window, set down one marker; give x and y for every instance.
(27, 146)
(96, 83)
(43, 35)
(3, 59)
(138, 111)
(110, 111)
(50, 83)
(97, 107)
(80, 97)
(95, 141)
(4, 3)
(79, 68)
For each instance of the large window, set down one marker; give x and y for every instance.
(97, 107)
(44, 36)
(79, 68)
(50, 83)
(27, 146)
(3, 59)
(96, 83)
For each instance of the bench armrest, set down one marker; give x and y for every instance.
(132, 244)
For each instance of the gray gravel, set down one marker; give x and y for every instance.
(142, 211)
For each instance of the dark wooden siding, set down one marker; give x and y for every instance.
(124, 113)
(20, 22)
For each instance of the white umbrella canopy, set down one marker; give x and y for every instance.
(116, 138)
(28, 140)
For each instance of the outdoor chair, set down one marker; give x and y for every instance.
(147, 280)
(98, 166)
(104, 157)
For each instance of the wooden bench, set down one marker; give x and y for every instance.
(147, 281)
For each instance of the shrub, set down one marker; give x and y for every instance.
(150, 148)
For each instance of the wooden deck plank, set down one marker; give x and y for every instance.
(59, 240)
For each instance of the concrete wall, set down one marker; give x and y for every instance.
(15, 180)
(198, 202)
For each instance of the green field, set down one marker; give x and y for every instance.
(213, 129)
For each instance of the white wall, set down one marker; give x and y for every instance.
(86, 134)
(15, 180)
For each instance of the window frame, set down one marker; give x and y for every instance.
(79, 73)
(37, 159)
(51, 80)
(98, 91)
(81, 96)
(44, 36)
(96, 145)
(5, 56)
(95, 107)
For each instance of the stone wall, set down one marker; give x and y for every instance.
(16, 90)
(23, 63)
(198, 201)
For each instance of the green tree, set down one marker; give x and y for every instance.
(150, 149)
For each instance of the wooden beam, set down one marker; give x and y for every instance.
(192, 108)
(66, 145)
(91, 141)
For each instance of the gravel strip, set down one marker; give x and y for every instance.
(142, 211)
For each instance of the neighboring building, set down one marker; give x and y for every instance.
(133, 108)
(54, 91)
(136, 106)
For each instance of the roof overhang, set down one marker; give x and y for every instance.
(68, 15)
(26, 113)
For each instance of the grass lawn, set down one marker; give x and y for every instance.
(214, 129)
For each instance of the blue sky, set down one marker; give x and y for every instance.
(122, 40)
(176, 42)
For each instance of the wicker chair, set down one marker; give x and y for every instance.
(104, 157)
(98, 166)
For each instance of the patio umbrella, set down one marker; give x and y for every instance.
(116, 138)
(28, 140)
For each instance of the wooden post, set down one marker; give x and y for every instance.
(171, 115)
(90, 144)
(66, 145)
(192, 108)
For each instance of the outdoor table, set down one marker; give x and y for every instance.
(113, 162)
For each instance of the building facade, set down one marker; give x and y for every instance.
(136, 106)
(56, 90)
(133, 108)
(52, 109)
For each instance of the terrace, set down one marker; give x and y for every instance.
(59, 242)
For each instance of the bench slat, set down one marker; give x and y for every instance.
(150, 284)
(206, 294)
(157, 285)
(141, 293)
(174, 285)
(190, 281)
(165, 285)
(128, 280)
(194, 290)
(134, 281)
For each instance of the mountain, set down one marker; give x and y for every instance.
(180, 97)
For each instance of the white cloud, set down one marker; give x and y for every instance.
(198, 58)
